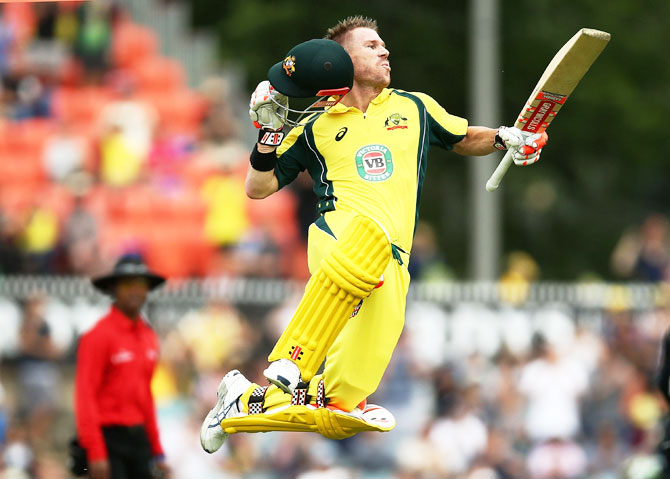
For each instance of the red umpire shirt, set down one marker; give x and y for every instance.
(115, 362)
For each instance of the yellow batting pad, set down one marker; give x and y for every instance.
(346, 276)
(333, 424)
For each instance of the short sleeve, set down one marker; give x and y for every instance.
(291, 157)
(445, 129)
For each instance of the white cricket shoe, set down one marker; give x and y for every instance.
(232, 386)
(284, 374)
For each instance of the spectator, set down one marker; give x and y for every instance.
(18, 458)
(65, 153)
(81, 241)
(459, 437)
(127, 130)
(94, 38)
(114, 408)
(606, 453)
(38, 373)
(10, 254)
(227, 219)
(427, 261)
(39, 240)
(521, 272)
(33, 99)
(644, 254)
(7, 37)
(557, 459)
(217, 334)
(552, 386)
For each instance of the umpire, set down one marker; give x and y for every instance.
(114, 407)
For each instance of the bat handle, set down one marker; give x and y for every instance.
(500, 171)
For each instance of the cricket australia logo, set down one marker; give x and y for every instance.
(289, 65)
(374, 163)
(395, 121)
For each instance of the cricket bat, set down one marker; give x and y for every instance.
(559, 79)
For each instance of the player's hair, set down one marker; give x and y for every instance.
(339, 31)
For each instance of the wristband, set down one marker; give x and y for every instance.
(498, 142)
(270, 138)
(263, 161)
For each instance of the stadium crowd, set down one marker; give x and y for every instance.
(545, 391)
(105, 150)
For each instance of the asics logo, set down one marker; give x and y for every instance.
(341, 133)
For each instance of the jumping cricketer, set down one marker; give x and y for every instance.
(367, 155)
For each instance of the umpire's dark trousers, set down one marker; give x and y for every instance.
(128, 452)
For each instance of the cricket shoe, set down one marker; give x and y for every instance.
(284, 374)
(232, 386)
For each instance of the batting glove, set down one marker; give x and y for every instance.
(525, 146)
(263, 111)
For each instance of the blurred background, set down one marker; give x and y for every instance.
(123, 128)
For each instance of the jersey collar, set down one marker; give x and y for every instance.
(340, 108)
(382, 97)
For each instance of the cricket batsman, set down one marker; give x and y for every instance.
(367, 155)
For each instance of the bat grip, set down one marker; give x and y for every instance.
(497, 176)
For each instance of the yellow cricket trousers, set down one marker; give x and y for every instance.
(359, 356)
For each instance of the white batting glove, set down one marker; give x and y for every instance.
(525, 146)
(264, 112)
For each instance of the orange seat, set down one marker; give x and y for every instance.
(22, 168)
(180, 111)
(58, 199)
(17, 200)
(276, 215)
(25, 137)
(117, 238)
(178, 250)
(158, 73)
(131, 44)
(186, 206)
(96, 202)
(21, 17)
(80, 104)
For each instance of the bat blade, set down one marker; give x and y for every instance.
(559, 79)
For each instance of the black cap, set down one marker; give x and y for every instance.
(127, 266)
(313, 68)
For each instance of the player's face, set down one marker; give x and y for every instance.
(370, 57)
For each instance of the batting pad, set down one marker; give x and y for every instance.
(346, 276)
(333, 424)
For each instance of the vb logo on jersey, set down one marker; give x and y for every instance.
(374, 163)
(395, 121)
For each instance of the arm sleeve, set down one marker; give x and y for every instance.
(91, 363)
(291, 157)
(445, 129)
(663, 369)
(150, 422)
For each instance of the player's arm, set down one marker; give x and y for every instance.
(276, 160)
(454, 133)
(261, 184)
(478, 141)
(267, 110)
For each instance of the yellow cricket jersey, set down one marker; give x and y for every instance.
(373, 163)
